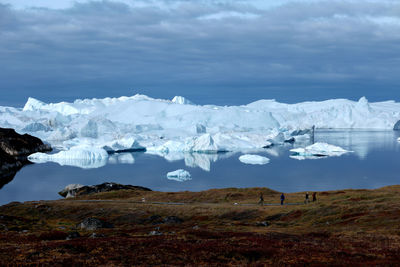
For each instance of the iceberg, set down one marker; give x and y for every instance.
(179, 175)
(181, 100)
(79, 156)
(167, 127)
(318, 150)
(253, 159)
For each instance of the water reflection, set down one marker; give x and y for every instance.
(373, 163)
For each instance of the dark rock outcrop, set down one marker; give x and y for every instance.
(172, 220)
(14, 149)
(93, 224)
(396, 127)
(105, 187)
(17, 145)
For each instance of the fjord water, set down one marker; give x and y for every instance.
(373, 163)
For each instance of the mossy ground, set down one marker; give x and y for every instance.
(343, 227)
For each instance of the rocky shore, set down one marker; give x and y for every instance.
(14, 149)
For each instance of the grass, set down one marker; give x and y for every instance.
(343, 227)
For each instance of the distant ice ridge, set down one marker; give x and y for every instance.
(253, 159)
(317, 150)
(179, 175)
(172, 127)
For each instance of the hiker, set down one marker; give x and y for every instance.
(307, 199)
(314, 197)
(261, 202)
(282, 198)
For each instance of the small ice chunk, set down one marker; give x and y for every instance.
(179, 175)
(253, 159)
(319, 150)
(181, 100)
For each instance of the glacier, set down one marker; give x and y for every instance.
(179, 129)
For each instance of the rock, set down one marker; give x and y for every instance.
(17, 145)
(396, 127)
(264, 223)
(95, 235)
(155, 219)
(93, 224)
(79, 190)
(70, 190)
(5, 228)
(14, 149)
(172, 220)
(73, 235)
(156, 231)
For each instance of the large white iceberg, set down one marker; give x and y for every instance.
(318, 150)
(167, 127)
(179, 175)
(253, 159)
(79, 156)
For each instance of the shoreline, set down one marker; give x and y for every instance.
(355, 226)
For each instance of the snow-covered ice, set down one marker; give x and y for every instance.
(179, 175)
(166, 127)
(318, 150)
(253, 159)
(80, 156)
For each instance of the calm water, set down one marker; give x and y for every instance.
(374, 163)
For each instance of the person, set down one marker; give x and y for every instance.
(282, 198)
(314, 197)
(261, 202)
(306, 200)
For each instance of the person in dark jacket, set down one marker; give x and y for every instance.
(261, 202)
(314, 197)
(282, 198)
(307, 199)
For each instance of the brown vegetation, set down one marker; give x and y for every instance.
(347, 227)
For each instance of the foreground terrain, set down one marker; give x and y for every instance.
(213, 227)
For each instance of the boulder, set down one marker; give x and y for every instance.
(93, 224)
(92, 189)
(173, 220)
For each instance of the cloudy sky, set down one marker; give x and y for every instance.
(211, 51)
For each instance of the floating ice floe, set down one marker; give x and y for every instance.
(83, 157)
(317, 150)
(253, 159)
(179, 175)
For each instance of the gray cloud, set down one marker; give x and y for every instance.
(298, 50)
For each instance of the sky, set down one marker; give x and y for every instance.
(225, 52)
